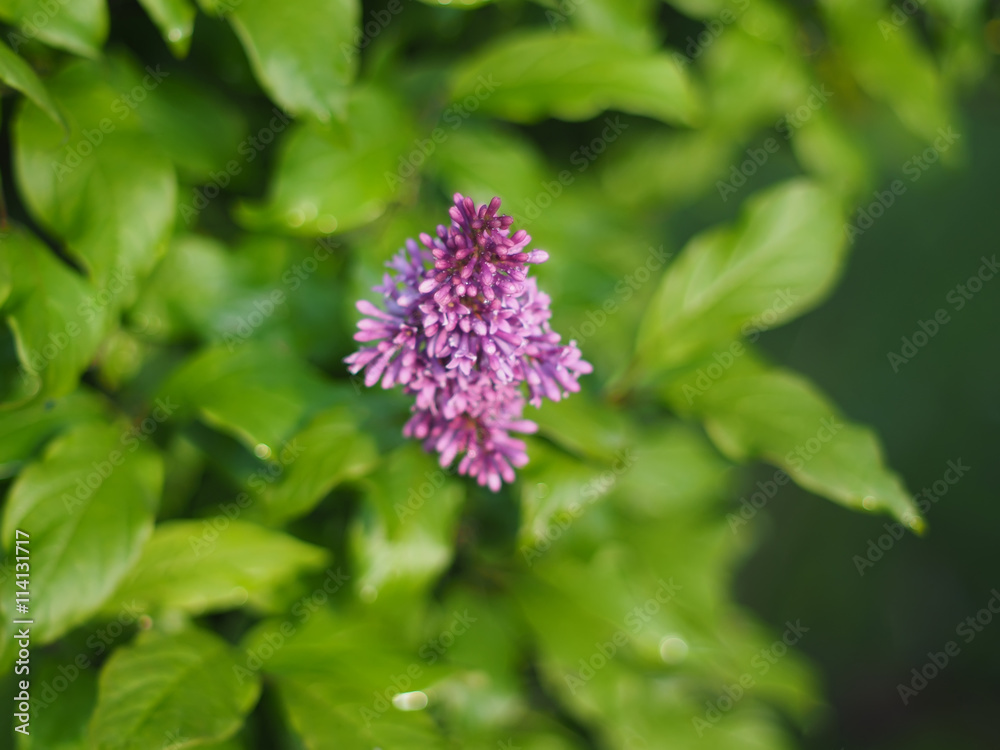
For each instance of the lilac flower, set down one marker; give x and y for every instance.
(461, 328)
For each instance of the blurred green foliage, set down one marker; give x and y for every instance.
(232, 546)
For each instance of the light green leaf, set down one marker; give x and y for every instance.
(755, 411)
(88, 506)
(175, 19)
(336, 178)
(258, 395)
(171, 691)
(55, 315)
(212, 565)
(80, 26)
(528, 77)
(109, 191)
(333, 450)
(22, 431)
(17, 74)
(302, 53)
(777, 263)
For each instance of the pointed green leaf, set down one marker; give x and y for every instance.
(778, 262)
(302, 53)
(755, 411)
(88, 506)
(17, 74)
(175, 19)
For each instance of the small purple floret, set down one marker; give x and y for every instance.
(461, 328)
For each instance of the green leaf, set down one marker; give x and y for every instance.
(337, 178)
(56, 316)
(653, 168)
(754, 411)
(22, 431)
(80, 26)
(17, 74)
(171, 691)
(777, 263)
(333, 450)
(890, 64)
(528, 77)
(258, 395)
(212, 565)
(109, 191)
(406, 540)
(175, 19)
(335, 679)
(88, 506)
(302, 53)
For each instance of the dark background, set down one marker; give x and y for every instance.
(870, 631)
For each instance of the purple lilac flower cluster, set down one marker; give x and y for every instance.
(462, 328)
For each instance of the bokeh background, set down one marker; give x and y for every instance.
(615, 131)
